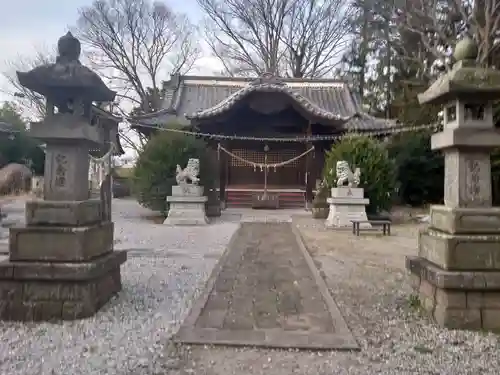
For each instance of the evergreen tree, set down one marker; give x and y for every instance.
(19, 147)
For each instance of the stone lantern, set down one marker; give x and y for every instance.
(61, 263)
(457, 270)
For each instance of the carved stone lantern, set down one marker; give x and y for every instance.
(457, 270)
(70, 89)
(61, 263)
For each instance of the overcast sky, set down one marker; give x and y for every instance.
(29, 25)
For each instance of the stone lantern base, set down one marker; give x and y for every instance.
(457, 272)
(61, 264)
(44, 291)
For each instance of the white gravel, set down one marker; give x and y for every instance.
(166, 270)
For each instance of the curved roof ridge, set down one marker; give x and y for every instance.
(226, 104)
(246, 80)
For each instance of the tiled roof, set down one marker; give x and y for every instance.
(192, 97)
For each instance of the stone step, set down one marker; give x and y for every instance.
(242, 199)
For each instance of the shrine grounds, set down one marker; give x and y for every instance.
(166, 271)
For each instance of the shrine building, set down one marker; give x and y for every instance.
(286, 124)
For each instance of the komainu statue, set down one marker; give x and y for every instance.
(345, 175)
(190, 173)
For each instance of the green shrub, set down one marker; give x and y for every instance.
(19, 147)
(419, 170)
(377, 170)
(22, 149)
(155, 171)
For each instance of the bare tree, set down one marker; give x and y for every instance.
(439, 23)
(484, 21)
(136, 43)
(299, 38)
(129, 137)
(246, 34)
(30, 101)
(316, 36)
(132, 139)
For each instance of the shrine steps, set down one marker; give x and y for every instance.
(242, 198)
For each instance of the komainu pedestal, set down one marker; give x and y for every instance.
(187, 206)
(347, 204)
(61, 263)
(456, 274)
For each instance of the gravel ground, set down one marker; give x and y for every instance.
(367, 279)
(165, 271)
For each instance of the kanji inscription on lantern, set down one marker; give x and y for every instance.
(61, 169)
(473, 179)
(475, 186)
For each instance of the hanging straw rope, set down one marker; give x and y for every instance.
(262, 165)
(302, 139)
(100, 167)
(106, 155)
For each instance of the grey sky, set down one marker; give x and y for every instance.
(27, 25)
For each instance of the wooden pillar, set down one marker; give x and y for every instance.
(309, 167)
(222, 175)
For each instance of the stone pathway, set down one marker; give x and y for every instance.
(266, 292)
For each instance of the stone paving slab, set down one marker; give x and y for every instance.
(266, 291)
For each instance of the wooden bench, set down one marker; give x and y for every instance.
(385, 224)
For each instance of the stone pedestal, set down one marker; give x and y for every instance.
(61, 264)
(456, 273)
(187, 206)
(347, 204)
